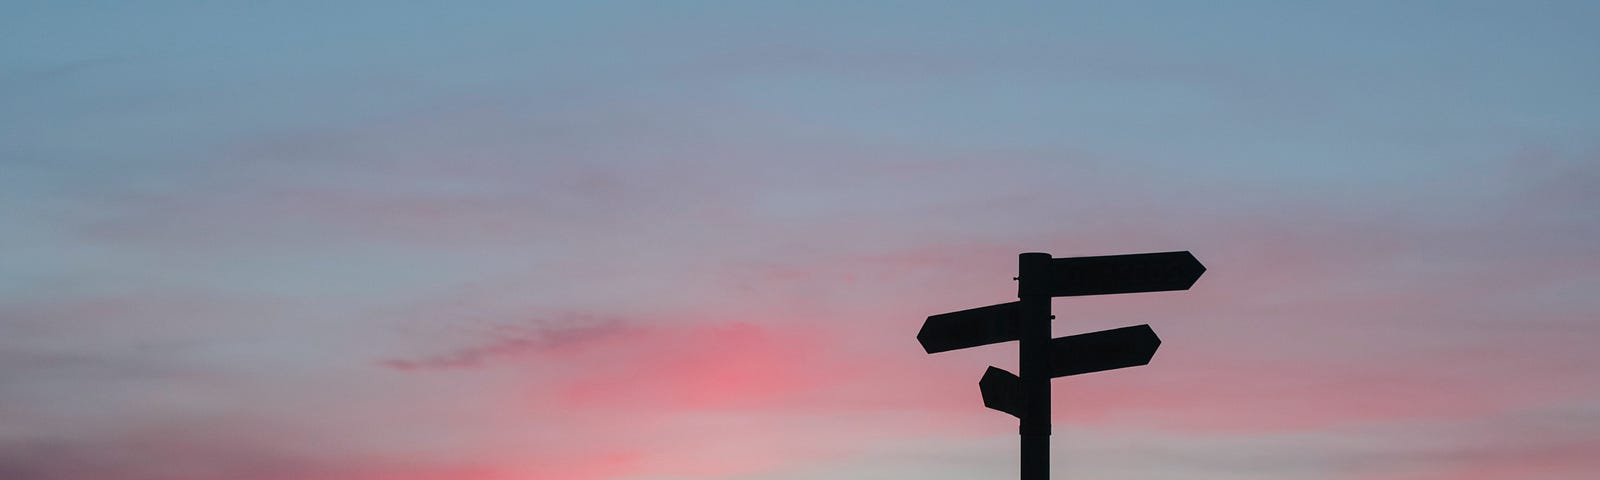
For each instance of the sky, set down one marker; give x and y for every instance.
(695, 241)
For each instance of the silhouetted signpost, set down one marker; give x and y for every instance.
(1040, 277)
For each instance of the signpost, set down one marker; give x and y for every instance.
(1027, 320)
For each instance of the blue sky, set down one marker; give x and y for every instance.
(302, 240)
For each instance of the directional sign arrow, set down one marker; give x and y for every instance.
(1100, 351)
(1140, 272)
(1002, 391)
(970, 328)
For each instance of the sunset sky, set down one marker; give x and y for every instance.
(695, 241)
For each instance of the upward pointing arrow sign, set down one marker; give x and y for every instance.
(1103, 350)
(1074, 355)
(1109, 274)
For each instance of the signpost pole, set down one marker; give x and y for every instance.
(1033, 273)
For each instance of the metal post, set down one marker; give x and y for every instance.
(1034, 364)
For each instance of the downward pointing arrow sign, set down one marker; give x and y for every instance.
(970, 328)
(1002, 391)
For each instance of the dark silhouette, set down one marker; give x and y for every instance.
(1040, 277)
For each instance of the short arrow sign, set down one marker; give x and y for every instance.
(970, 328)
(1100, 351)
(1103, 275)
(1002, 391)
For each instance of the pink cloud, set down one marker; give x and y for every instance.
(715, 367)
